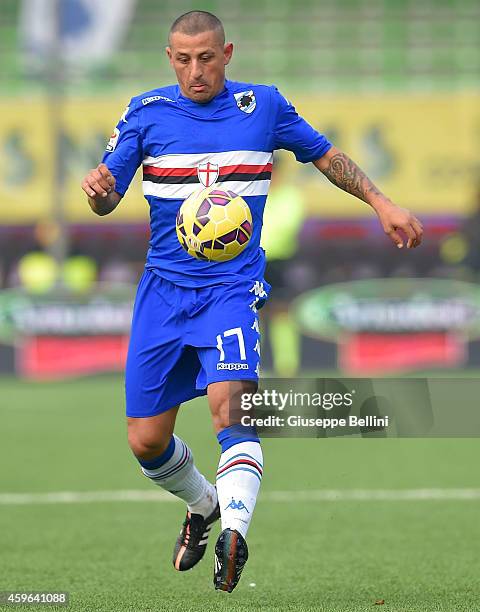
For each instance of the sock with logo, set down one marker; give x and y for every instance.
(175, 471)
(238, 476)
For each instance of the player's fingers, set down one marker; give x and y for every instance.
(96, 187)
(416, 242)
(98, 178)
(100, 189)
(394, 237)
(417, 226)
(87, 189)
(106, 174)
(417, 222)
(411, 235)
(414, 231)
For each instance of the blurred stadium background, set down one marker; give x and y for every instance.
(393, 82)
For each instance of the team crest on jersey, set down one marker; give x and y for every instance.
(208, 173)
(246, 101)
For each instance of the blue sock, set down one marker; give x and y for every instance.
(235, 434)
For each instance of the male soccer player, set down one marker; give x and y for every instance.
(195, 327)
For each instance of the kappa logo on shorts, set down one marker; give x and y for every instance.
(259, 292)
(246, 101)
(258, 289)
(232, 366)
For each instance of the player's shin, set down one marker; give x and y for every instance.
(175, 471)
(238, 477)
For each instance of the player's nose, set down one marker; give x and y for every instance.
(196, 72)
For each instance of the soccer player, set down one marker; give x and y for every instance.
(195, 327)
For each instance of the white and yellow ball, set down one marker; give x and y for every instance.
(214, 224)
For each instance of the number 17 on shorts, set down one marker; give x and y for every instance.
(240, 350)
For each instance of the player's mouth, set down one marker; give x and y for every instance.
(199, 87)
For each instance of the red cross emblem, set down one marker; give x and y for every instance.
(207, 173)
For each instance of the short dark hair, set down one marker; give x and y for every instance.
(196, 22)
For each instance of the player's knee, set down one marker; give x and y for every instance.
(147, 445)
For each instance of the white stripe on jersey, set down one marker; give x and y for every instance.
(227, 158)
(180, 192)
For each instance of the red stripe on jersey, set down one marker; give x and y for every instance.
(169, 171)
(245, 168)
(239, 168)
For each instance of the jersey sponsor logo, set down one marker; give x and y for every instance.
(222, 365)
(207, 173)
(155, 99)
(112, 143)
(246, 101)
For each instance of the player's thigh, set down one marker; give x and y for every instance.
(149, 437)
(160, 371)
(228, 337)
(225, 401)
(230, 355)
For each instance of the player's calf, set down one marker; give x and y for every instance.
(174, 470)
(238, 481)
(168, 462)
(239, 475)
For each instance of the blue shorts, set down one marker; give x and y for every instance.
(183, 339)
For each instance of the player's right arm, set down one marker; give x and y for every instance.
(99, 185)
(106, 184)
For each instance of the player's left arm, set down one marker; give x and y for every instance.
(344, 173)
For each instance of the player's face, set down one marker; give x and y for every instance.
(199, 62)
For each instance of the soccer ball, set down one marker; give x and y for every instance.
(214, 225)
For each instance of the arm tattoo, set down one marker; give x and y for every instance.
(344, 173)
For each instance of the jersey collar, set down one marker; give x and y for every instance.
(204, 109)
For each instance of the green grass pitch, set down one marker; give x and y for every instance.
(335, 556)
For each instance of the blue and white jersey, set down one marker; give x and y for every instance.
(183, 145)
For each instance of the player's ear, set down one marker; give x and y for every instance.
(227, 53)
(168, 51)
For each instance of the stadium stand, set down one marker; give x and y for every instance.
(319, 46)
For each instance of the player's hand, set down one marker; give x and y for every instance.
(393, 218)
(99, 182)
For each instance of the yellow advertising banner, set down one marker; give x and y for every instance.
(422, 150)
